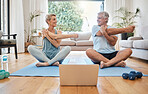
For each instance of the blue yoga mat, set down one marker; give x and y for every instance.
(112, 71)
(32, 70)
(53, 71)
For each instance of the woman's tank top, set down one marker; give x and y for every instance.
(49, 49)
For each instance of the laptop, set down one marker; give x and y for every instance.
(78, 74)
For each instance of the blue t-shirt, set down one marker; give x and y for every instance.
(49, 49)
(100, 43)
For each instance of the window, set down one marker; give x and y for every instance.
(75, 15)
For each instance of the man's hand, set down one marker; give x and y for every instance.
(103, 29)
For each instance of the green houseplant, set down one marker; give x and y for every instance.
(30, 30)
(127, 19)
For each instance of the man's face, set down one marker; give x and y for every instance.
(101, 20)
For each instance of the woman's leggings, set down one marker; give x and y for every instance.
(41, 57)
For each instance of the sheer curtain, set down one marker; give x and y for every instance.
(110, 6)
(17, 22)
(39, 22)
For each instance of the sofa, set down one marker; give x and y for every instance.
(82, 43)
(139, 45)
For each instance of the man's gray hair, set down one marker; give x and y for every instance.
(105, 14)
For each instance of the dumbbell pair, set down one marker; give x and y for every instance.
(132, 75)
(4, 74)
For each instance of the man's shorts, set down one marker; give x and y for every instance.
(108, 56)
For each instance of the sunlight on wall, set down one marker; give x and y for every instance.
(91, 8)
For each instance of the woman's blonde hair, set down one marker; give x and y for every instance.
(48, 17)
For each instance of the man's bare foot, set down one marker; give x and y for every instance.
(103, 65)
(121, 64)
(56, 64)
(39, 64)
(130, 29)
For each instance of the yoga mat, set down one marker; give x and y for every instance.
(112, 71)
(32, 70)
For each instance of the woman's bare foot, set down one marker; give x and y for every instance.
(39, 64)
(56, 64)
(103, 65)
(121, 64)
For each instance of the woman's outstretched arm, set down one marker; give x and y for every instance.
(61, 36)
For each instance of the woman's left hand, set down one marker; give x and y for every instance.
(45, 32)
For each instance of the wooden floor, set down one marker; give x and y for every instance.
(51, 85)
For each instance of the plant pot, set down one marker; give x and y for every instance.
(124, 36)
(27, 44)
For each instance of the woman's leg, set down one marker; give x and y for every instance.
(38, 54)
(60, 56)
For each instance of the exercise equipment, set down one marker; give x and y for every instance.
(125, 75)
(132, 75)
(4, 74)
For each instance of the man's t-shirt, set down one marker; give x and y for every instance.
(100, 43)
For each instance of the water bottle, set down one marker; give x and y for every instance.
(4, 62)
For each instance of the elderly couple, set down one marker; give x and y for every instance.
(104, 40)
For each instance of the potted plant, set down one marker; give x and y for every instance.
(127, 19)
(30, 30)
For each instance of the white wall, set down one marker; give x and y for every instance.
(39, 22)
(143, 20)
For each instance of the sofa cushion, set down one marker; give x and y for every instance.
(84, 43)
(83, 36)
(126, 43)
(7, 41)
(141, 44)
(144, 32)
(68, 42)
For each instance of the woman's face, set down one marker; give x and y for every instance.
(53, 21)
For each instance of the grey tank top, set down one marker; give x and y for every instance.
(49, 49)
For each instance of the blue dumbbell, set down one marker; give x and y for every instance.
(125, 75)
(139, 74)
(133, 72)
(131, 76)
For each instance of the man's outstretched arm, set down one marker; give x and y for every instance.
(114, 31)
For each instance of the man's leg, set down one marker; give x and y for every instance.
(97, 57)
(121, 56)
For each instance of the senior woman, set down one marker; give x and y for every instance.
(51, 53)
